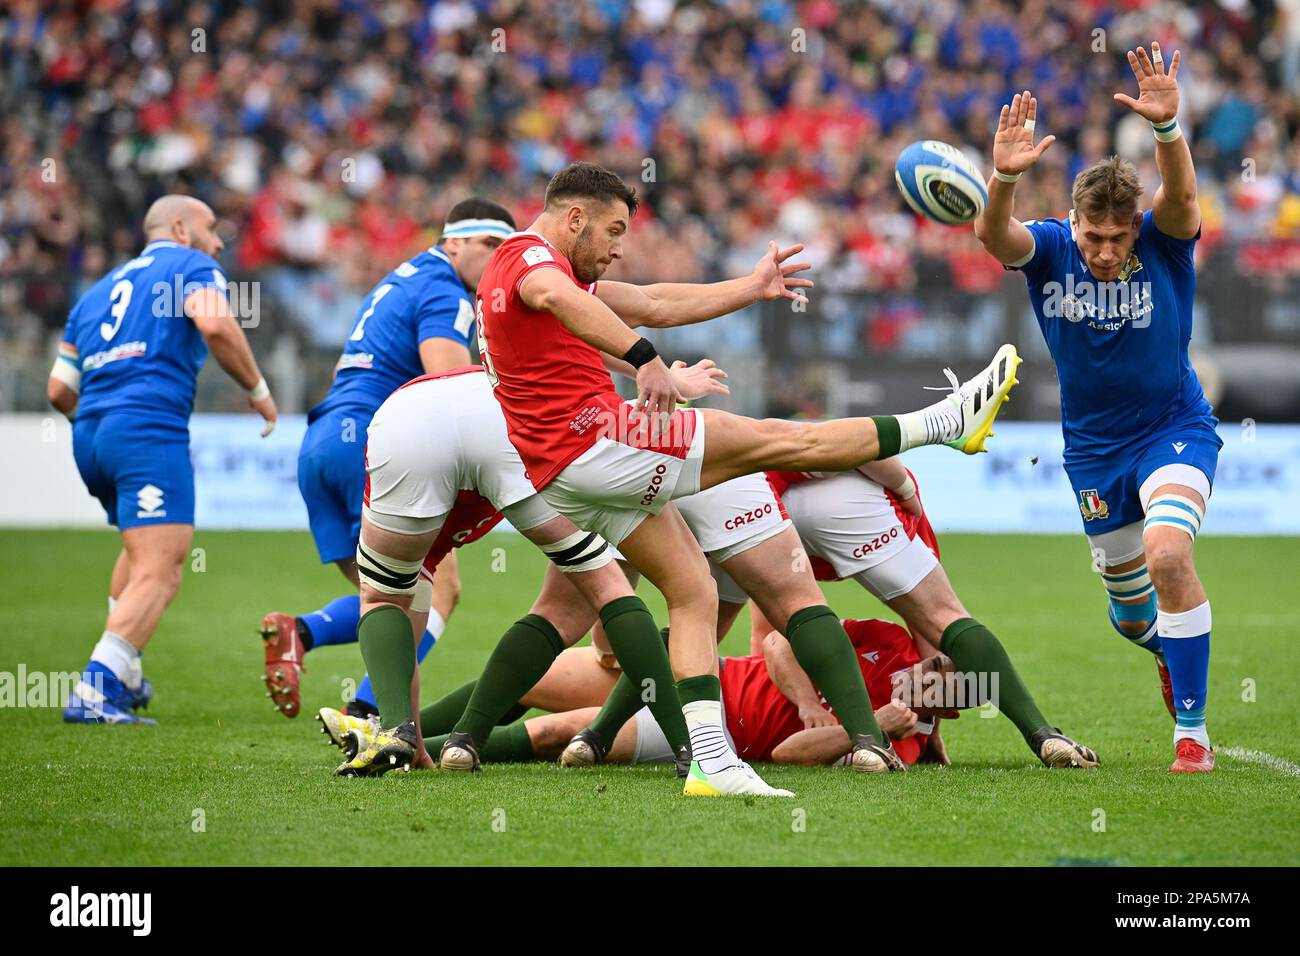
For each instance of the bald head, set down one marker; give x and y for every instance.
(185, 220)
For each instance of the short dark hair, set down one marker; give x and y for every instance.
(588, 181)
(476, 208)
(1108, 189)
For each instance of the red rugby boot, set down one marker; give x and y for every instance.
(1192, 757)
(284, 653)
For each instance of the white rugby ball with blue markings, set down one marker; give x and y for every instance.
(940, 182)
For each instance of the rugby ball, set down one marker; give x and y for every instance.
(940, 182)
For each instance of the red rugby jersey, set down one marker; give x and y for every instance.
(759, 716)
(553, 387)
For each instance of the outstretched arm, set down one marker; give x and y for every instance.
(1176, 211)
(666, 304)
(1002, 234)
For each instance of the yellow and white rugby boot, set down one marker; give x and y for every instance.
(336, 725)
(738, 780)
(979, 399)
(393, 749)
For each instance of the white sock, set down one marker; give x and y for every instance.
(1199, 734)
(120, 657)
(932, 425)
(709, 747)
(436, 624)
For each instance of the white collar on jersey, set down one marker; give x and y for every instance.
(435, 251)
(163, 243)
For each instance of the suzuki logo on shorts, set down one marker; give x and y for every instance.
(876, 543)
(655, 486)
(748, 517)
(149, 500)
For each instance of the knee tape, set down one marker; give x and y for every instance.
(580, 551)
(389, 575)
(1132, 600)
(1174, 511)
(422, 599)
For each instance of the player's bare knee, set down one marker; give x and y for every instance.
(1169, 562)
(551, 734)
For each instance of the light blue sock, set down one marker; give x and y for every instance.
(1185, 637)
(335, 623)
(366, 694)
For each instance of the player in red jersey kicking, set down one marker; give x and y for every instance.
(544, 322)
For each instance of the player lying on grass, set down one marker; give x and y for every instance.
(416, 320)
(772, 711)
(851, 526)
(1113, 290)
(130, 355)
(431, 442)
(544, 321)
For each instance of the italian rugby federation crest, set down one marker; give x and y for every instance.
(1092, 505)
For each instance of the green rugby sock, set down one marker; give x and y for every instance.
(621, 705)
(647, 673)
(889, 435)
(520, 659)
(705, 687)
(975, 649)
(441, 716)
(388, 648)
(825, 652)
(504, 745)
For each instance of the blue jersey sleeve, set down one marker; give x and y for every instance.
(204, 272)
(1050, 236)
(444, 313)
(1180, 252)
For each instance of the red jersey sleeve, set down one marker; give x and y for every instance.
(523, 261)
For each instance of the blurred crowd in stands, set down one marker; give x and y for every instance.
(331, 136)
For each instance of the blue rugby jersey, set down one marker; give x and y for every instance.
(423, 298)
(1120, 347)
(129, 336)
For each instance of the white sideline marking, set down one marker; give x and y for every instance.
(1263, 757)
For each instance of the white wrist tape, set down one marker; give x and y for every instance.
(1167, 132)
(1006, 177)
(906, 490)
(67, 373)
(260, 391)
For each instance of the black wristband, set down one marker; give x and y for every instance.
(640, 353)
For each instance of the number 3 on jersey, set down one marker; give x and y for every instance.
(120, 299)
(483, 346)
(360, 331)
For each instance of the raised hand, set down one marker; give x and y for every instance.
(1013, 144)
(1157, 100)
(776, 277)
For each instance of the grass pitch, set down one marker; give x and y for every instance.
(224, 780)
